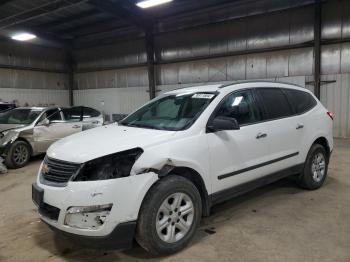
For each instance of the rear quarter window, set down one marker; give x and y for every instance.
(300, 100)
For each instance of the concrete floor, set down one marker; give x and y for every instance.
(279, 222)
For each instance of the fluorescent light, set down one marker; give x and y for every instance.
(23, 37)
(150, 3)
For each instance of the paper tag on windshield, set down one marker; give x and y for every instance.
(203, 96)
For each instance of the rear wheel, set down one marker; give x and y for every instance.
(169, 216)
(315, 168)
(18, 155)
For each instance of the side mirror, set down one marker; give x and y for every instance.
(222, 123)
(44, 122)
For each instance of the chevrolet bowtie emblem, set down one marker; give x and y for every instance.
(45, 169)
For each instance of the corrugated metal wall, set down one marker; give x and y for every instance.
(336, 98)
(32, 75)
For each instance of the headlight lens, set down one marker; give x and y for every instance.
(109, 167)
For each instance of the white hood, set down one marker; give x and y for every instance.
(105, 140)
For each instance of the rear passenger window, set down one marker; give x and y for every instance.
(72, 114)
(301, 101)
(241, 106)
(90, 112)
(275, 102)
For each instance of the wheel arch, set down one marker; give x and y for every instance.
(194, 177)
(323, 142)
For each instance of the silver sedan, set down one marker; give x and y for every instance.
(29, 131)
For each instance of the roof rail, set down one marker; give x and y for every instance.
(257, 81)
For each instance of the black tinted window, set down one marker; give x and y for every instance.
(301, 101)
(90, 112)
(241, 106)
(72, 114)
(53, 115)
(275, 103)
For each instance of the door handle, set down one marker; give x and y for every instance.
(76, 126)
(299, 126)
(261, 135)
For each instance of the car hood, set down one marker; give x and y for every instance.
(105, 140)
(5, 127)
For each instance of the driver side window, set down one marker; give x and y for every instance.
(241, 106)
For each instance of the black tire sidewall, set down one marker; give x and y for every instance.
(307, 180)
(148, 214)
(12, 163)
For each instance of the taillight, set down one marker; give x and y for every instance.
(331, 115)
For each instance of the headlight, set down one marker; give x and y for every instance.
(109, 167)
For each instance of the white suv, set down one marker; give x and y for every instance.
(153, 176)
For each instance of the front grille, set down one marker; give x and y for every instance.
(58, 171)
(49, 211)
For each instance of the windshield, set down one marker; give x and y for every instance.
(22, 116)
(172, 112)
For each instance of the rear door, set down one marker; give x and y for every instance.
(91, 118)
(73, 120)
(283, 128)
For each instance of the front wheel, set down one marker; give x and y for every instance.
(169, 216)
(315, 168)
(18, 155)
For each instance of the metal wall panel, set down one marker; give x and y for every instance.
(112, 78)
(121, 54)
(282, 28)
(32, 79)
(336, 98)
(14, 54)
(264, 65)
(34, 97)
(112, 100)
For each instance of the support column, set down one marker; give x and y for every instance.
(70, 66)
(317, 47)
(151, 65)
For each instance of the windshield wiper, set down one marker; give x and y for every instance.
(142, 126)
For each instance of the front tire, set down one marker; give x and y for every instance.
(18, 155)
(169, 216)
(315, 168)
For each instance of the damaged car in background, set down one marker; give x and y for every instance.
(29, 131)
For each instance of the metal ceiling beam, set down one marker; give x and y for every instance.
(91, 27)
(36, 12)
(3, 2)
(132, 16)
(67, 20)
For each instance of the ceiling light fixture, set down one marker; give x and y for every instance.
(23, 37)
(151, 3)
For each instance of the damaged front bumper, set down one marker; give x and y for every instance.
(97, 213)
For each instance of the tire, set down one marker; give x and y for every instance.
(18, 155)
(149, 234)
(311, 178)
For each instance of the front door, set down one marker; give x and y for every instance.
(57, 128)
(235, 155)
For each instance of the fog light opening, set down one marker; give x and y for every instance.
(90, 217)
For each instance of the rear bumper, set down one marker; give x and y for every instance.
(121, 238)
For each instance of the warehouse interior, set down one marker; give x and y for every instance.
(113, 56)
